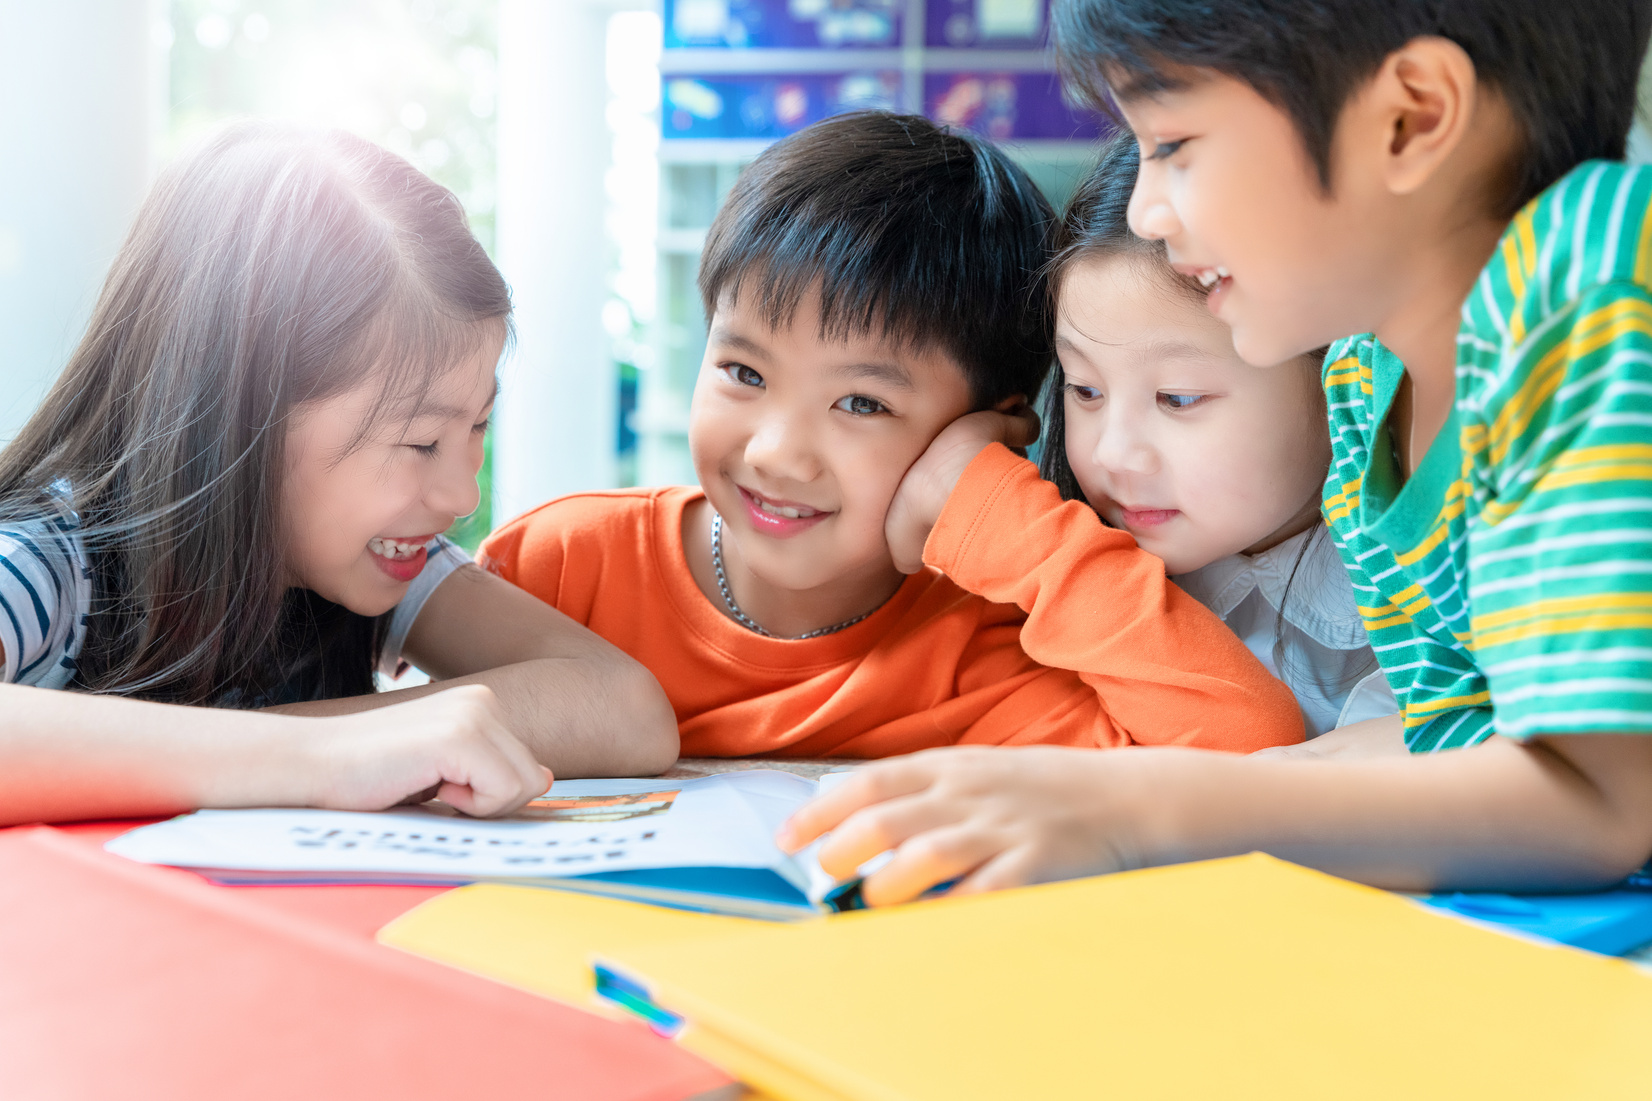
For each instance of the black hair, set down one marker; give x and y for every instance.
(907, 230)
(1568, 71)
(1096, 224)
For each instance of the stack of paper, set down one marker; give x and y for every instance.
(1246, 977)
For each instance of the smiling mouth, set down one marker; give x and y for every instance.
(781, 519)
(1211, 278)
(786, 511)
(397, 550)
(1143, 518)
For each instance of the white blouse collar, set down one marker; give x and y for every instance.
(1321, 603)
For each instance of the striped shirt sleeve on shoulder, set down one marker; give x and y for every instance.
(1560, 560)
(42, 588)
(1410, 612)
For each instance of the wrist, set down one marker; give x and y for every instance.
(278, 760)
(1164, 802)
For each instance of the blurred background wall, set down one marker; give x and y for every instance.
(82, 103)
(590, 141)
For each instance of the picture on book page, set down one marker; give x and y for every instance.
(598, 808)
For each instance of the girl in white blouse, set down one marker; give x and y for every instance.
(1213, 465)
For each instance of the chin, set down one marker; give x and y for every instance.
(370, 602)
(1261, 348)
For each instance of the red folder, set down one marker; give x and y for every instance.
(119, 980)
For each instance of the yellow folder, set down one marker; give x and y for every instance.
(540, 940)
(1239, 978)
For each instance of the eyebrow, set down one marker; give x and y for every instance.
(1158, 349)
(1140, 84)
(891, 374)
(439, 411)
(737, 342)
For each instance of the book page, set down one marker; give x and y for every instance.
(576, 828)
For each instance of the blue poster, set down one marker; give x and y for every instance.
(784, 24)
(768, 105)
(1008, 106)
(986, 24)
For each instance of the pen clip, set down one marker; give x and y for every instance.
(845, 896)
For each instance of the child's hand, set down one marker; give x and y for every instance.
(451, 745)
(997, 817)
(929, 481)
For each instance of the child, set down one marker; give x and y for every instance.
(1327, 169)
(868, 281)
(1213, 465)
(232, 499)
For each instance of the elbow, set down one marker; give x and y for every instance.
(1608, 856)
(651, 735)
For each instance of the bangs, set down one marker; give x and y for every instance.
(856, 293)
(406, 349)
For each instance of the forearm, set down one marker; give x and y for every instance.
(1500, 815)
(1164, 669)
(69, 755)
(1379, 737)
(580, 716)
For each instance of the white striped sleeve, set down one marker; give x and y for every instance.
(443, 556)
(39, 590)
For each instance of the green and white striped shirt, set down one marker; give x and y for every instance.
(1507, 584)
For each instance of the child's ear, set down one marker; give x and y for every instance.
(1425, 97)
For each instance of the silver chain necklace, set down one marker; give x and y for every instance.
(742, 618)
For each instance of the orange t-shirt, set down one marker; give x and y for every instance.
(1108, 652)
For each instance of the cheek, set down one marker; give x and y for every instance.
(1252, 483)
(1081, 428)
(867, 477)
(1080, 444)
(714, 430)
(1219, 476)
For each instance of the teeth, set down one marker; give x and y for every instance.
(1208, 278)
(784, 510)
(393, 549)
(1221, 272)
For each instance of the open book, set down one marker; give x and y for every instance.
(701, 844)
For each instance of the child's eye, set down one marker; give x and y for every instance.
(742, 375)
(1083, 393)
(1181, 401)
(428, 450)
(1165, 149)
(860, 405)
(481, 427)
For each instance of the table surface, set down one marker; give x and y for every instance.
(350, 917)
(336, 919)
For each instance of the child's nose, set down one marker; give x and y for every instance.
(782, 448)
(1123, 450)
(454, 490)
(1150, 214)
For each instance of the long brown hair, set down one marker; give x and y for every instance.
(270, 267)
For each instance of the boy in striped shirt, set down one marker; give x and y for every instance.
(1445, 180)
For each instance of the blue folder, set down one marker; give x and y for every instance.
(1609, 922)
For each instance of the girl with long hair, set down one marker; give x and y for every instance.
(226, 515)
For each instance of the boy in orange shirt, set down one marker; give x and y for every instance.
(869, 281)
